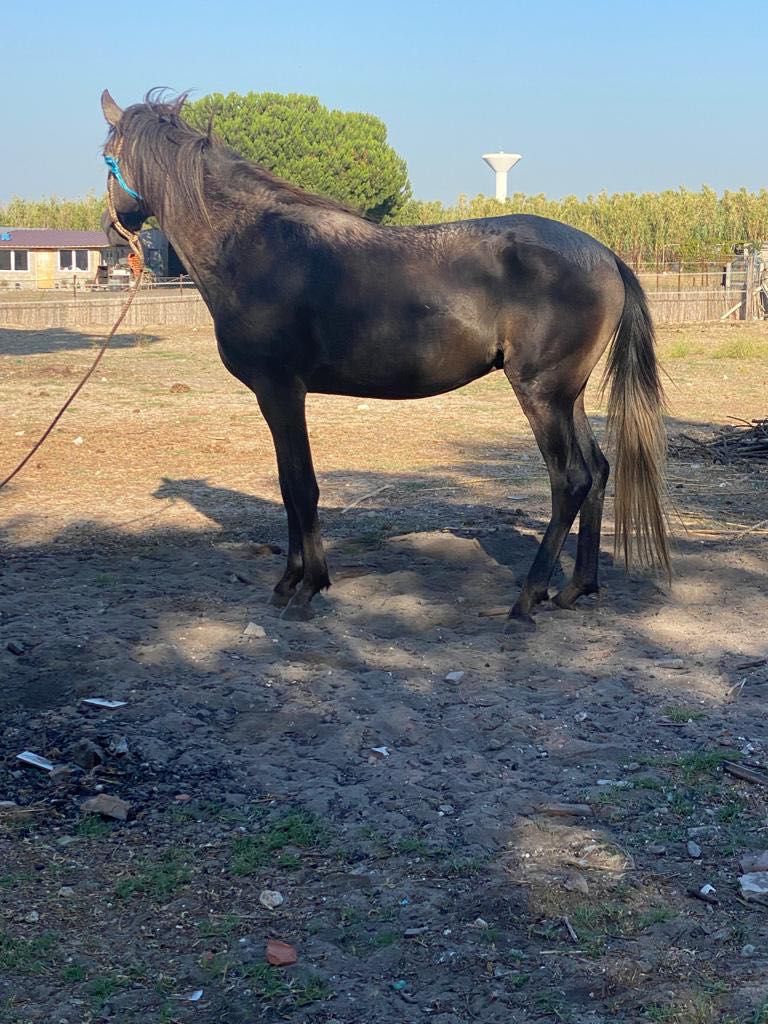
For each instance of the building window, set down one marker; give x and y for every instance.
(14, 259)
(73, 259)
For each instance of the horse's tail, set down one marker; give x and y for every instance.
(636, 426)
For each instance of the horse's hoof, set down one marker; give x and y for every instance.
(295, 612)
(520, 622)
(566, 599)
(569, 595)
(278, 600)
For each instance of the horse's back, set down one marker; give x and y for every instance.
(529, 230)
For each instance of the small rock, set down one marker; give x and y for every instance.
(280, 954)
(454, 677)
(265, 549)
(66, 891)
(676, 663)
(109, 806)
(446, 808)
(617, 783)
(703, 831)
(239, 577)
(85, 753)
(748, 950)
(180, 389)
(576, 882)
(694, 850)
(754, 862)
(254, 630)
(271, 899)
(32, 917)
(754, 885)
(479, 922)
(564, 810)
(580, 716)
(15, 647)
(658, 849)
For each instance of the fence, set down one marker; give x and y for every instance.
(166, 309)
(185, 308)
(696, 305)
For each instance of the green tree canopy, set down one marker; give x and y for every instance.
(342, 155)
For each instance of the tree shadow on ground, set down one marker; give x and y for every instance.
(61, 340)
(156, 617)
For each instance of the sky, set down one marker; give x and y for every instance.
(618, 95)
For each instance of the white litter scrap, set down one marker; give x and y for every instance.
(27, 757)
(381, 751)
(102, 702)
(192, 997)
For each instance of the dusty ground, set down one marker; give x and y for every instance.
(421, 884)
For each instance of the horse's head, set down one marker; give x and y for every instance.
(130, 207)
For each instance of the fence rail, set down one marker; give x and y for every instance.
(148, 308)
(185, 308)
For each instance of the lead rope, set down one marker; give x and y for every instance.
(134, 242)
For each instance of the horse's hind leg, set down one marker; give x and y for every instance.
(585, 579)
(294, 570)
(307, 572)
(551, 418)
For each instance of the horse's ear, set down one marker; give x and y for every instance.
(112, 112)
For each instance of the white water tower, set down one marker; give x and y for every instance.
(501, 163)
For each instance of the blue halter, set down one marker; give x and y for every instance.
(114, 168)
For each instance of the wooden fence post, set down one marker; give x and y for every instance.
(746, 312)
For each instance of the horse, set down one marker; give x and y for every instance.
(309, 296)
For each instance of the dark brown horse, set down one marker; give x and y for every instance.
(308, 296)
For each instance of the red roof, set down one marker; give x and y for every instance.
(50, 238)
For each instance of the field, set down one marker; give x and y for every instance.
(407, 819)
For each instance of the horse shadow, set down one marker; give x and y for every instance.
(387, 538)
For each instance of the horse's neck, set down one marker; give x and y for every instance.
(195, 240)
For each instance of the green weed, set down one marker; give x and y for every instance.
(253, 852)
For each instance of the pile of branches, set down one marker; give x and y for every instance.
(730, 444)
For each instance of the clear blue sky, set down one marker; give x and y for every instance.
(596, 95)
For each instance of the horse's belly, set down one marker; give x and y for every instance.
(399, 375)
(403, 356)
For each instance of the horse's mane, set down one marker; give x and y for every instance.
(163, 152)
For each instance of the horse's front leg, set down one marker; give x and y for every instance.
(283, 406)
(294, 570)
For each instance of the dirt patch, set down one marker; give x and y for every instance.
(400, 809)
